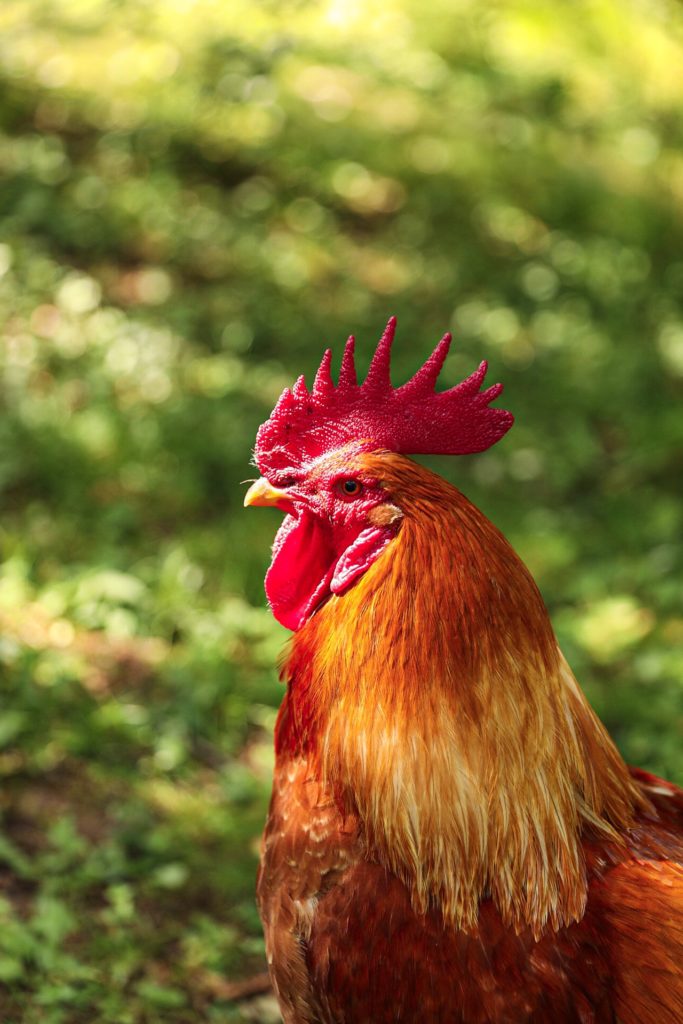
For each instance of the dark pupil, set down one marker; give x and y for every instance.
(350, 486)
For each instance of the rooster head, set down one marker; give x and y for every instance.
(313, 453)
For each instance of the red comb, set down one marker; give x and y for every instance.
(412, 419)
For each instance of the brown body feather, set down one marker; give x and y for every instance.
(453, 835)
(346, 944)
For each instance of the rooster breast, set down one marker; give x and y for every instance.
(345, 945)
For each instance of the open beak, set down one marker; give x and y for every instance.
(263, 493)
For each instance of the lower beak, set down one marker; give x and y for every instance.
(263, 493)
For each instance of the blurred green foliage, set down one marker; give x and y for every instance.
(196, 198)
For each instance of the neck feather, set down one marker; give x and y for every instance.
(434, 699)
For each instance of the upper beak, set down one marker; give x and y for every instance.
(263, 493)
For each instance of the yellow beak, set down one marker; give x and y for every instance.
(263, 493)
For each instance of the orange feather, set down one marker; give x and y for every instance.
(453, 835)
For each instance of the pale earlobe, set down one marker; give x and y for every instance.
(384, 515)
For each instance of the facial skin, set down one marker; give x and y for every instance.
(339, 520)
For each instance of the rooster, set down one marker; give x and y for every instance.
(453, 837)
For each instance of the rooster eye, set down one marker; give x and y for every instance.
(349, 488)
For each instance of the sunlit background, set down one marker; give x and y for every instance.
(196, 197)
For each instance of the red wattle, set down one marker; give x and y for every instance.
(359, 556)
(306, 568)
(303, 562)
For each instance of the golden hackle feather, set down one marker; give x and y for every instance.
(434, 700)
